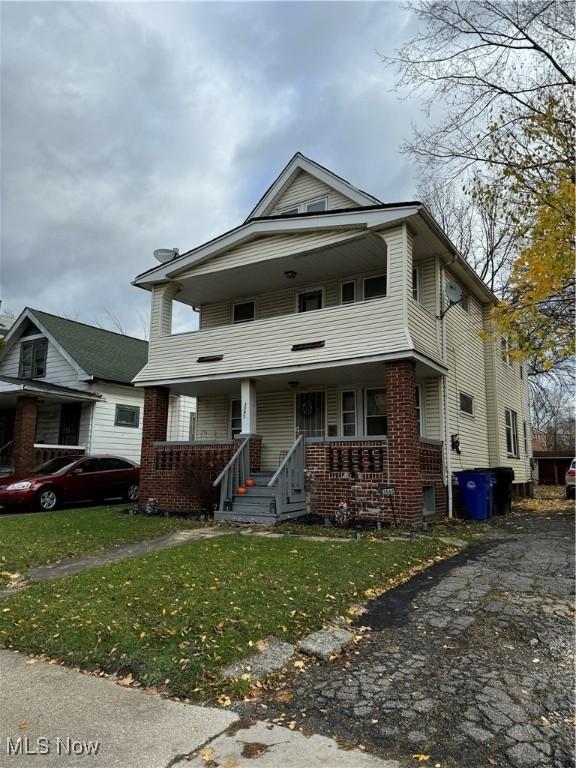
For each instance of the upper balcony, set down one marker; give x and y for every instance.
(282, 340)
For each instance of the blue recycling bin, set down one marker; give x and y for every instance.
(476, 493)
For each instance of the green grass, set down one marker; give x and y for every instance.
(172, 618)
(44, 537)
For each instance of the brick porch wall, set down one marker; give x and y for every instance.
(180, 476)
(23, 453)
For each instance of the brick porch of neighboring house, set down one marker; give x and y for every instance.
(180, 476)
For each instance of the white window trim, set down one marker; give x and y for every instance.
(347, 282)
(465, 413)
(358, 395)
(133, 408)
(422, 432)
(234, 400)
(418, 297)
(302, 207)
(244, 301)
(513, 433)
(365, 416)
(310, 289)
(374, 298)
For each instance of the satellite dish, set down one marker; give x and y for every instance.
(165, 254)
(453, 292)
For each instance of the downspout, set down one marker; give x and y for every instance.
(447, 448)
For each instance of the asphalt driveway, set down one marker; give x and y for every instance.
(469, 664)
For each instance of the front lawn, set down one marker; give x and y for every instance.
(172, 618)
(44, 537)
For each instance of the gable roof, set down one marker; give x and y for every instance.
(300, 163)
(101, 354)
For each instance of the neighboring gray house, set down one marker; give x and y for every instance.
(72, 383)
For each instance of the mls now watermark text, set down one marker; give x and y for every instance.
(42, 745)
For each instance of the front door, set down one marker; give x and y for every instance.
(311, 414)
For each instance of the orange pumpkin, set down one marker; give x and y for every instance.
(250, 483)
(241, 490)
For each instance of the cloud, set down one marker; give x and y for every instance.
(127, 127)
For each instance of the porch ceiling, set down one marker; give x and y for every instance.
(364, 253)
(370, 373)
(11, 387)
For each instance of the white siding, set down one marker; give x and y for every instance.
(467, 373)
(275, 422)
(422, 325)
(431, 392)
(305, 187)
(58, 369)
(213, 417)
(106, 436)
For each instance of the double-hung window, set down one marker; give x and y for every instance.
(349, 412)
(466, 404)
(511, 421)
(348, 292)
(375, 421)
(33, 359)
(505, 351)
(235, 417)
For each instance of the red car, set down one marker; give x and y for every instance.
(71, 478)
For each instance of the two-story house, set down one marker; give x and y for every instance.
(329, 365)
(66, 387)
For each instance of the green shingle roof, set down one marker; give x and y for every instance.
(102, 354)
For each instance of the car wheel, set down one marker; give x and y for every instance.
(570, 492)
(132, 492)
(46, 499)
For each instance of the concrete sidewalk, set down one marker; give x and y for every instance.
(50, 714)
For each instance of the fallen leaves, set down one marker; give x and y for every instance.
(421, 758)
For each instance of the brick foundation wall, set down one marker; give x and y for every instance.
(23, 454)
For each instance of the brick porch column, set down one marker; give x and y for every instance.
(154, 428)
(24, 434)
(403, 442)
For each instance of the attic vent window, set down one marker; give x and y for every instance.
(308, 345)
(210, 358)
(309, 206)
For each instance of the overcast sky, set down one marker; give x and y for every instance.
(127, 127)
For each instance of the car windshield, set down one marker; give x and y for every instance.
(55, 465)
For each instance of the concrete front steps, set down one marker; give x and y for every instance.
(260, 504)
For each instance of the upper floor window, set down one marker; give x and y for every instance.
(244, 312)
(349, 412)
(465, 302)
(310, 206)
(416, 284)
(374, 287)
(33, 359)
(310, 300)
(511, 421)
(505, 351)
(127, 416)
(466, 403)
(348, 292)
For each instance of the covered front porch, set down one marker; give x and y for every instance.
(306, 441)
(39, 421)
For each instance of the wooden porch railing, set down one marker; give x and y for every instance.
(234, 474)
(288, 480)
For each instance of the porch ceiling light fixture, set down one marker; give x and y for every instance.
(290, 274)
